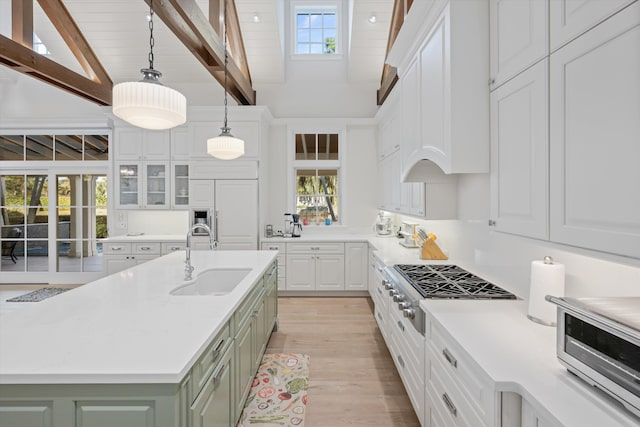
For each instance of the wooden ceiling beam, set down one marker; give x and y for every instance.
(187, 21)
(73, 37)
(28, 62)
(22, 22)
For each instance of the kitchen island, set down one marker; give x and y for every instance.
(123, 351)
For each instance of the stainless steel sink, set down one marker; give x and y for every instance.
(214, 281)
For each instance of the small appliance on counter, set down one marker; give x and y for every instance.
(288, 221)
(296, 226)
(598, 340)
(408, 231)
(383, 225)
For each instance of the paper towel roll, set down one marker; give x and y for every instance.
(547, 278)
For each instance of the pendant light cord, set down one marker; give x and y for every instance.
(151, 39)
(226, 61)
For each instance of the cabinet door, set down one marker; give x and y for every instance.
(594, 131)
(301, 272)
(519, 150)
(156, 185)
(180, 143)
(236, 216)
(410, 101)
(180, 185)
(260, 334)
(570, 18)
(271, 299)
(156, 144)
(215, 405)
(128, 143)
(202, 193)
(129, 185)
(395, 170)
(244, 344)
(355, 266)
(518, 31)
(329, 272)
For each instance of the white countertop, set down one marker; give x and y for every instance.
(124, 328)
(147, 238)
(335, 237)
(520, 356)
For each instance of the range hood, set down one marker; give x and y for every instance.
(425, 170)
(430, 163)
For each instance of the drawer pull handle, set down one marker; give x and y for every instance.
(452, 360)
(145, 248)
(117, 248)
(273, 248)
(401, 326)
(218, 373)
(379, 291)
(174, 248)
(450, 405)
(400, 361)
(380, 316)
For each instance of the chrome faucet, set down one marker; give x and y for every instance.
(188, 268)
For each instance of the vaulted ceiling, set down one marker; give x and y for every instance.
(118, 33)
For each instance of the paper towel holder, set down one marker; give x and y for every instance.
(539, 310)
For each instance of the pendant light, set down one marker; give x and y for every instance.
(148, 103)
(225, 146)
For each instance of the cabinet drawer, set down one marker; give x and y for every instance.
(146, 248)
(168, 247)
(411, 378)
(117, 248)
(280, 247)
(204, 366)
(315, 248)
(445, 396)
(473, 382)
(411, 340)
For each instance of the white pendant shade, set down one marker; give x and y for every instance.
(149, 105)
(225, 146)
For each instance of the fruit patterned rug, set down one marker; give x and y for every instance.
(278, 396)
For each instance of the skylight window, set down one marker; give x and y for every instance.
(316, 29)
(39, 46)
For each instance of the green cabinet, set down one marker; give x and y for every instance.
(214, 405)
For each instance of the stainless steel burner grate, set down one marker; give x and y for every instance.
(450, 281)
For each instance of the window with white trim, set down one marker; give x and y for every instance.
(316, 168)
(316, 28)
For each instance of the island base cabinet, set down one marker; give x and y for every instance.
(214, 406)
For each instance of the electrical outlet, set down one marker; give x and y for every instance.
(122, 225)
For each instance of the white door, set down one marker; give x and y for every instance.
(355, 266)
(594, 137)
(519, 150)
(301, 272)
(201, 193)
(518, 36)
(570, 18)
(236, 214)
(329, 272)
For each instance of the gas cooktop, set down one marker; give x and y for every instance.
(449, 281)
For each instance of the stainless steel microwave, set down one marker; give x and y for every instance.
(599, 341)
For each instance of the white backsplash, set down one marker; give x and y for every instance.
(156, 222)
(506, 259)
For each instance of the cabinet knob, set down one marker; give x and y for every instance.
(492, 82)
(492, 223)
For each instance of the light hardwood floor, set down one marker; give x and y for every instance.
(353, 381)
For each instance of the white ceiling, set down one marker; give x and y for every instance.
(117, 30)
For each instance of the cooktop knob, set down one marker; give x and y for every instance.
(409, 313)
(404, 305)
(398, 298)
(387, 285)
(393, 292)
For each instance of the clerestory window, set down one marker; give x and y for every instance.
(316, 28)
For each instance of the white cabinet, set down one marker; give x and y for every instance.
(179, 185)
(411, 115)
(531, 418)
(236, 214)
(453, 70)
(570, 18)
(390, 127)
(140, 144)
(519, 154)
(397, 196)
(119, 256)
(594, 137)
(355, 266)
(519, 36)
(156, 185)
(180, 143)
(152, 185)
(282, 261)
(202, 193)
(315, 266)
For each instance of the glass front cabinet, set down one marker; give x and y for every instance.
(152, 185)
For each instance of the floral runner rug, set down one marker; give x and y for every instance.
(278, 395)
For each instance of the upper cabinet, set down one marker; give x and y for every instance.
(571, 18)
(519, 34)
(132, 143)
(595, 137)
(443, 80)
